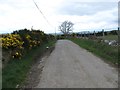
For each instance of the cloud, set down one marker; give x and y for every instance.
(85, 8)
(90, 15)
(103, 19)
(20, 14)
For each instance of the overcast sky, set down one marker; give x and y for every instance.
(85, 14)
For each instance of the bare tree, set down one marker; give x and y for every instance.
(66, 27)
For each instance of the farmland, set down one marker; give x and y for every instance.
(111, 37)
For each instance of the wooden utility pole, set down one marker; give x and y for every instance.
(55, 35)
(94, 34)
(31, 28)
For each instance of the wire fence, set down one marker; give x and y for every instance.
(102, 32)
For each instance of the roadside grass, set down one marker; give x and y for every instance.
(106, 52)
(16, 70)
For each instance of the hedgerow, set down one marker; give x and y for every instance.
(18, 42)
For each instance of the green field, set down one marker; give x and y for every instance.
(102, 50)
(16, 70)
(110, 37)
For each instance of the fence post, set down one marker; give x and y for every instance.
(103, 32)
(84, 34)
(118, 32)
(81, 34)
(88, 34)
(94, 34)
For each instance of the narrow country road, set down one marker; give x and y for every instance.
(70, 66)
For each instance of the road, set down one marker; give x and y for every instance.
(70, 66)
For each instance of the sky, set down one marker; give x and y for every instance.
(85, 14)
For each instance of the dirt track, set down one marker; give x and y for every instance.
(70, 66)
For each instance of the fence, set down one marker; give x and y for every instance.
(103, 32)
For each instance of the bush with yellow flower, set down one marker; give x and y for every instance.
(17, 43)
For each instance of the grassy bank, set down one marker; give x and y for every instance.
(108, 53)
(16, 70)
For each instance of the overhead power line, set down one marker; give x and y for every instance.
(41, 13)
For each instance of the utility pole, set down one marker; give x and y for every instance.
(55, 34)
(31, 28)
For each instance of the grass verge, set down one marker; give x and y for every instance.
(16, 70)
(106, 52)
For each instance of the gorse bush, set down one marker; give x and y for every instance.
(32, 38)
(13, 44)
(11, 41)
(23, 40)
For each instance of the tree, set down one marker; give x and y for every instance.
(66, 27)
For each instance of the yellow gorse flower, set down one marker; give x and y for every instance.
(11, 40)
(17, 53)
(17, 43)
